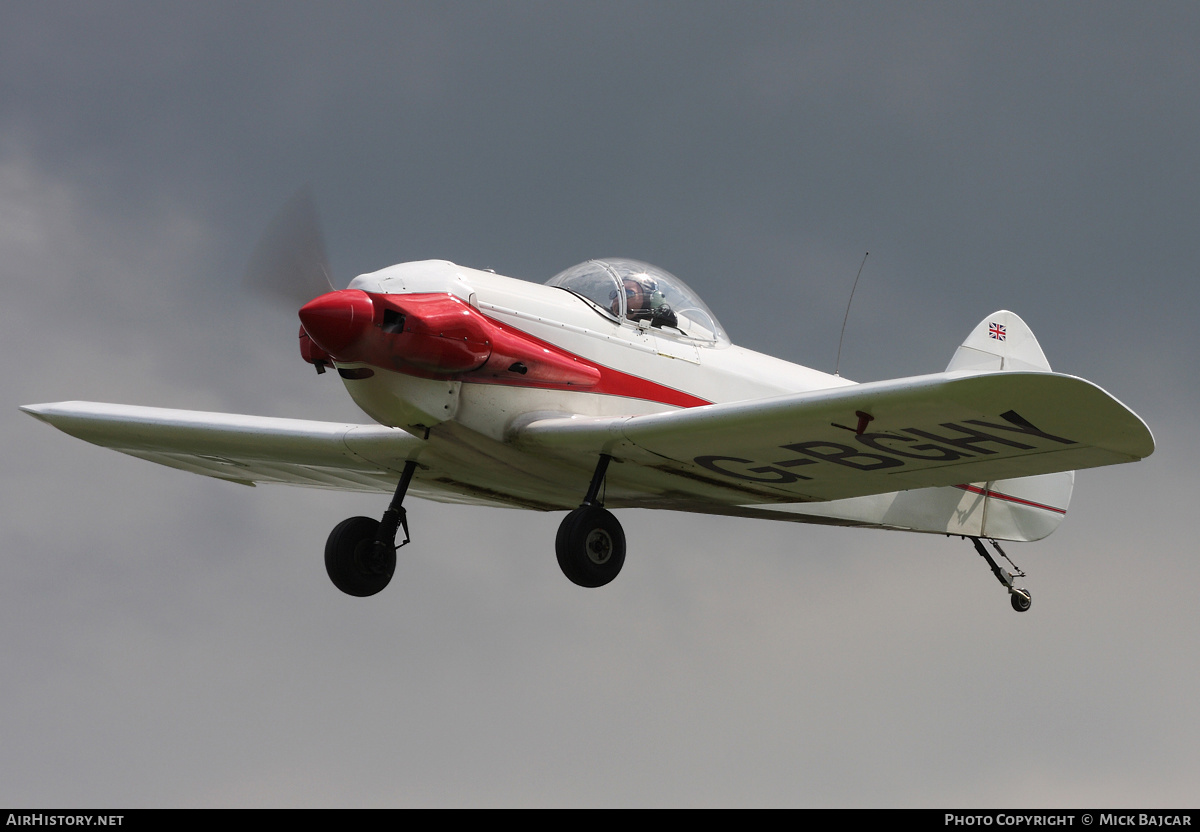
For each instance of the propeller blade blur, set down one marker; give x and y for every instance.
(289, 262)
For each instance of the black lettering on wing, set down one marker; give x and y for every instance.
(780, 477)
(1019, 424)
(972, 440)
(927, 451)
(844, 455)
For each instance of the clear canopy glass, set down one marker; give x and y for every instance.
(642, 295)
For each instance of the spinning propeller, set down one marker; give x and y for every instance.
(289, 262)
(289, 265)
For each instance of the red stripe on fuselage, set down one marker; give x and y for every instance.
(974, 489)
(611, 383)
(544, 358)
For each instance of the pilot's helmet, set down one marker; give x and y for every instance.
(641, 294)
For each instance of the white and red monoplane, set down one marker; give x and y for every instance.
(614, 385)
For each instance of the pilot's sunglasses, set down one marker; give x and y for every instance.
(631, 292)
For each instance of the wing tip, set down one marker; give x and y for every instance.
(41, 412)
(58, 413)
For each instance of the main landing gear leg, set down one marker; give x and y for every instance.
(360, 555)
(590, 544)
(1019, 596)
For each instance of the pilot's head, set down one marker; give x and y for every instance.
(639, 290)
(637, 293)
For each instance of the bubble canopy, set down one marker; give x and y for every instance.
(638, 294)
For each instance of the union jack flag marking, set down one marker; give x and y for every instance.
(996, 331)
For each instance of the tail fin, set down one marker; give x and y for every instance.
(1001, 341)
(1027, 508)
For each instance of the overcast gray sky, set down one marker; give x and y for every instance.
(173, 641)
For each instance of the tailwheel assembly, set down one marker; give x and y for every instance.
(1019, 597)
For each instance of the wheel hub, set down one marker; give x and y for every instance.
(599, 546)
(369, 557)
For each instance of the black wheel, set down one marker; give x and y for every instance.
(590, 546)
(1021, 600)
(354, 563)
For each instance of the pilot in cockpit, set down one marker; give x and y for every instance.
(644, 302)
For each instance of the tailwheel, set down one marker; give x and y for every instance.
(357, 564)
(590, 546)
(1018, 596)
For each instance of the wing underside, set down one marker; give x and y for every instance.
(243, 449)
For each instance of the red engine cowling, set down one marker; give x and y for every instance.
(433, 336)
(428, 335)
(311, 353)
(434, 333)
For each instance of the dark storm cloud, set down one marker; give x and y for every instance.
(173, 641)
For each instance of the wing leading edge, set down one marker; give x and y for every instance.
(243, 449)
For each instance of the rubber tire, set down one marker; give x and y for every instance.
(1021, 603)
(349, 556)
(590, 546)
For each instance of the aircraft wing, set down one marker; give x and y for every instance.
(920, 432)
(243, 449)
(878, 438)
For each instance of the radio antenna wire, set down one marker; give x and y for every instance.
(837, 365)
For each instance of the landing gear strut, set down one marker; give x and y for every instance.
(1019, 596)
(591, 544)
(360, 555)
